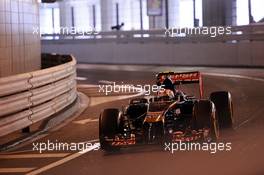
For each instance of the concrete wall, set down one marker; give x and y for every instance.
(19, 48)
(209, 54)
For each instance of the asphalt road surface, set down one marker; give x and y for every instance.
(245, 158)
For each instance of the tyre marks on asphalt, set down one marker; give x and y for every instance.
(63, 158)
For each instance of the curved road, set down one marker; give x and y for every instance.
(245, 158)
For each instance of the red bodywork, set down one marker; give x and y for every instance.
(182, 78)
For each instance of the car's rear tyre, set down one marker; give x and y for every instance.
(108, 127)
(204, 118)
(224, 108)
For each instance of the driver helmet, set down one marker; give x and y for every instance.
(166, 94)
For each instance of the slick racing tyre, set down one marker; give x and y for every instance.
(108, 127)
(224, 108)
(204, 118)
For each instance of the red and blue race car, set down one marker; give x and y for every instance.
(169, 116)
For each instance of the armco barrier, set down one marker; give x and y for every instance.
(31, 97)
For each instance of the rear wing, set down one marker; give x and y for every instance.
(182, 78)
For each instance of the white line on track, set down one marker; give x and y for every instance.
(105, 82)
(81, 78)
(37, 155)
(87, 86)
(92, 141)
(243, 123)
(64, 160)
(15, 170)
(85, 121)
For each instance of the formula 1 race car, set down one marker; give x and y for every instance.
(167, 118)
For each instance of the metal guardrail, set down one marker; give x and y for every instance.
(239, 33)
(28, 98)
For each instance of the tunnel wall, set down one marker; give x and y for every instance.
(19, 47)
(201, 54)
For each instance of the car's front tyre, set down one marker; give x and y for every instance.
(108, 127)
